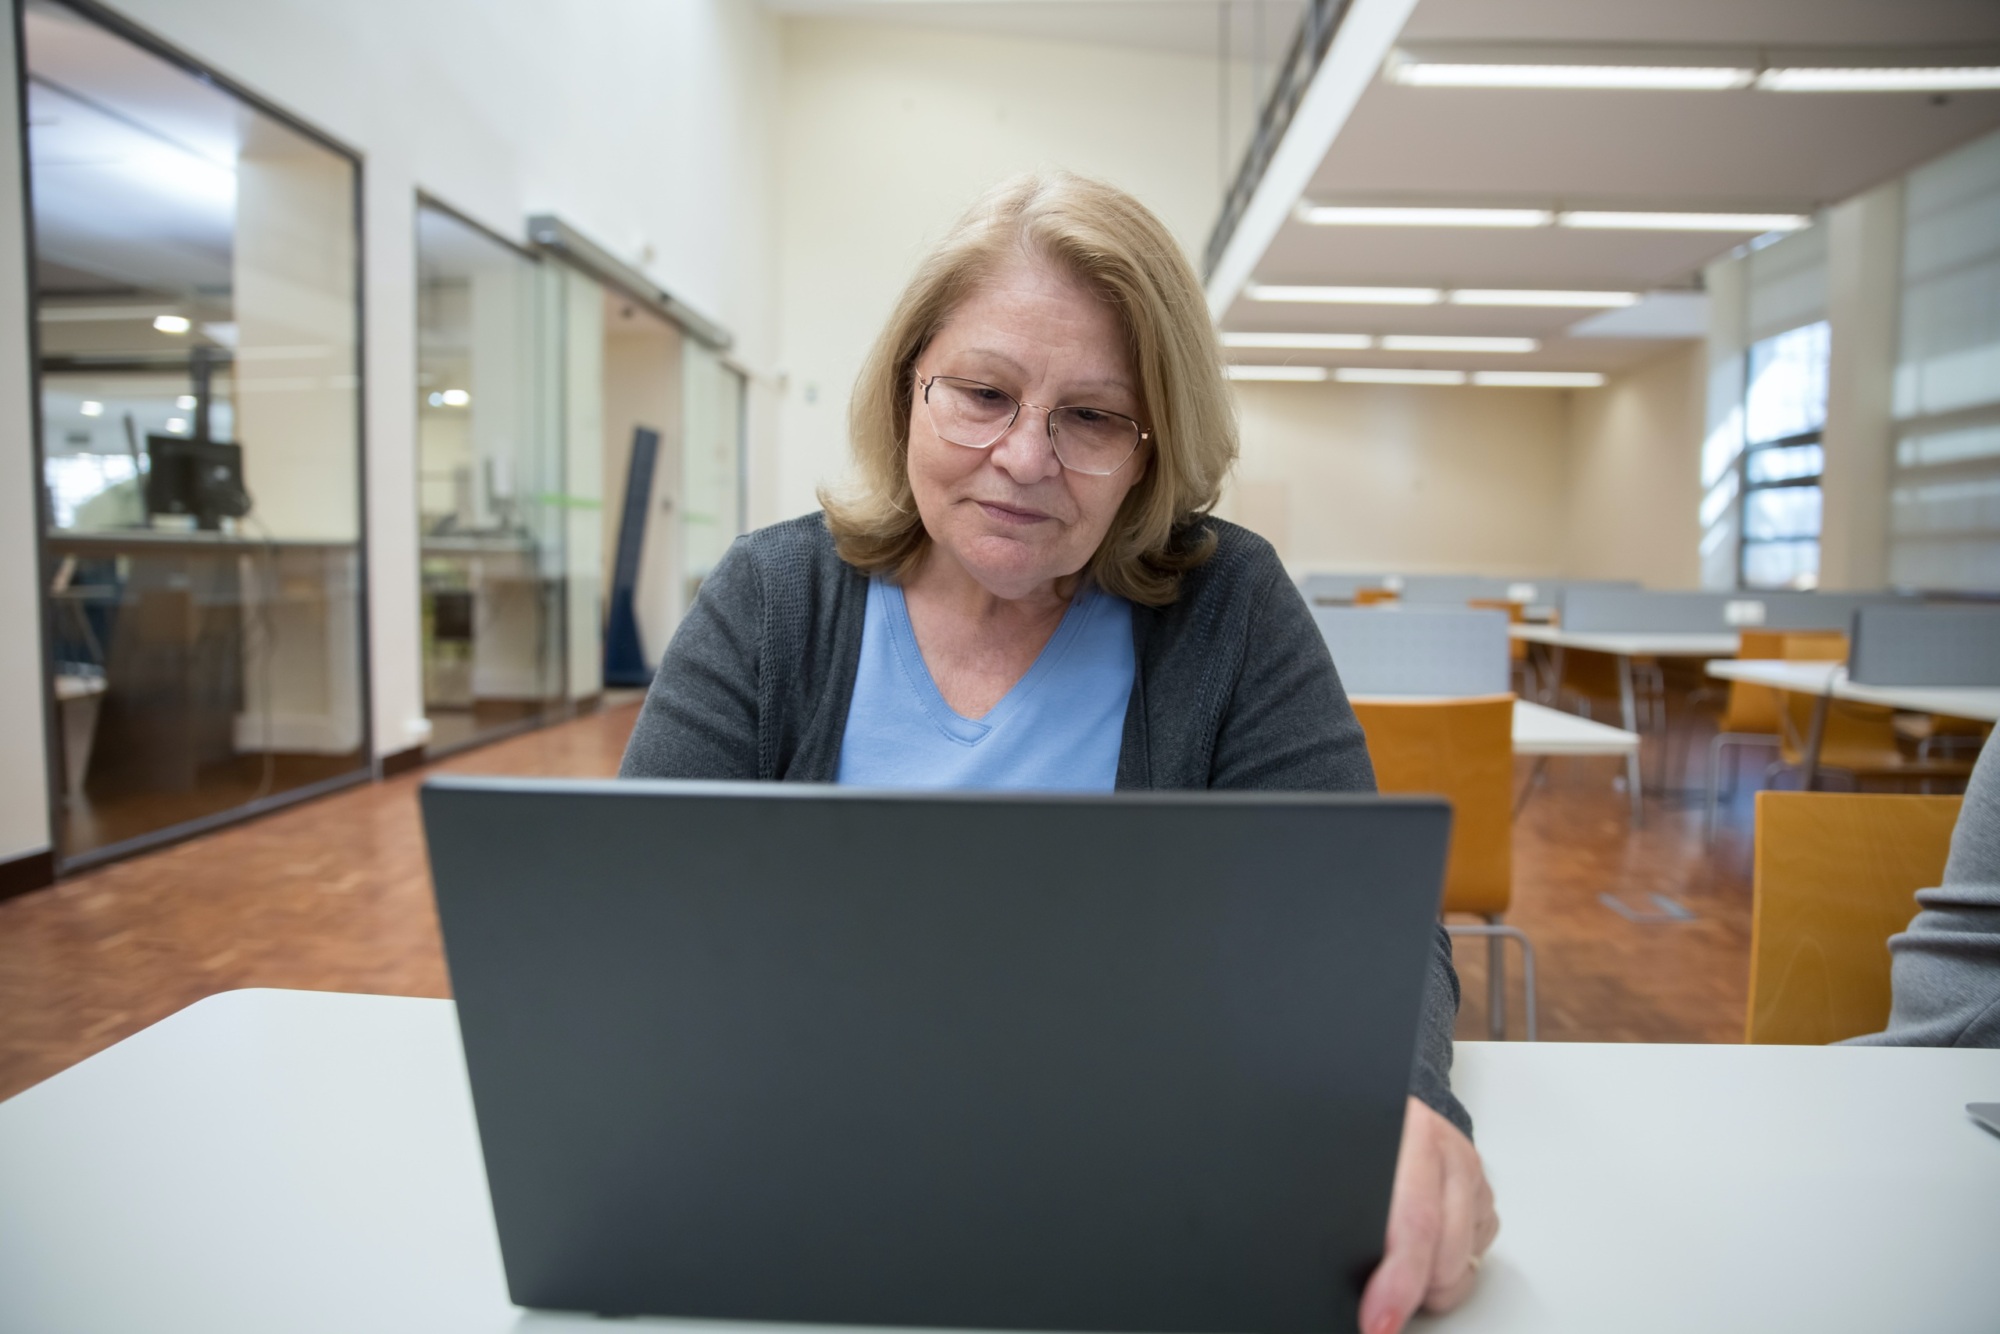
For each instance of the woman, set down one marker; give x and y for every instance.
(1026, 590)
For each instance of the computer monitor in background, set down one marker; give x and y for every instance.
(203, 478)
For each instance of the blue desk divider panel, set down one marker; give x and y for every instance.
(1901, 645)
(1818, 611)
(1623, 611)
(1459, 589)
(1417, 650)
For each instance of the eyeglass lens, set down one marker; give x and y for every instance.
(976, 415)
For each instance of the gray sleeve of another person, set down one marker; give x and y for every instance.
(1945, 969)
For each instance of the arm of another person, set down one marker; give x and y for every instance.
(1945, 971)
(700, 718)
(1289, 726)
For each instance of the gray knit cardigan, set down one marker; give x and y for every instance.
(757, 681)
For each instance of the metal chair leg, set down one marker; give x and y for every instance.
(1496, 931)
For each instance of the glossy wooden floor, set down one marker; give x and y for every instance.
(334, 895)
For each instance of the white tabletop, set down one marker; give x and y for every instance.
(302, 1161)
(1634, 643)
(1541, 730)
(1819, 678)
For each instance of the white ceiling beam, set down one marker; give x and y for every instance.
(1363, 41)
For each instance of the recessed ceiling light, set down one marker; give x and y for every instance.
(1322, 342)
(173, 324)
(1912, 80)
(1681, 78)
(1540, 379)
(90, 407)
(1340, 215)
(1455, 343)
(1303, 374)
(1389, 375)
(1348, 296)
(1686, 222)
(186, 401)
(455, 398)
(177, 424)
(1486, 296)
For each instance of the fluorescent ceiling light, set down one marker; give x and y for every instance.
(1540, 379)
(1305, 374)
(90, 407)
(455, 398)
(1305, 342)
(1487, 296)
(1687, 222)
(1455, 343)
(1350, 296)
(177, 424)
(186, 401)
(1688, 78)
(1332, 215)
(1386, 375)
(173, 324)
(1910, 80)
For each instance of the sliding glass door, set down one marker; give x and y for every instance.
(195, 277)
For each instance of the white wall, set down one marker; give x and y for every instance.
(24, 796)
(646, 125)
(1403, 478)
(1634, 474)
(890, 132)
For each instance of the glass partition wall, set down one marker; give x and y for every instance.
(195, 274)
(491, 484)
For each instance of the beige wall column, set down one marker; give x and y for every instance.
(1864, 269)
(1728, 284)
(24, 794)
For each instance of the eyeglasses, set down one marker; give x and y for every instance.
(975, 415)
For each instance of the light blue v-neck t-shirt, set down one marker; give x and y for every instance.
(1059, 729)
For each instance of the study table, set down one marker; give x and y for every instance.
(1625, 646)
(1827, 681)
(306, 1162)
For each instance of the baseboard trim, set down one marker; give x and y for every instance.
(22, 875)
(402, 761)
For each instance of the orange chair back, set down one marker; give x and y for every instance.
(1860, 737)
(1754, 708)
(1836, 876)
(1462, 750)
(1589, 673)
(1369, 597)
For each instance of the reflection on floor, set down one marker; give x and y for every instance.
(333, 895)
(99, 819)
(454, 728)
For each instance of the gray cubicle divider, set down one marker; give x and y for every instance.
(1459, 589)
(1613, 611)
(1904, 645)
(1417, 650)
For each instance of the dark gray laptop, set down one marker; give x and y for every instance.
(775, 1052)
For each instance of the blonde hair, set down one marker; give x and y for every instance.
(1113, 245)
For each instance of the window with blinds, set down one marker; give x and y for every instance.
(1944, 504)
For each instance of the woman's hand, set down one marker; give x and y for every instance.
(1441, 1221)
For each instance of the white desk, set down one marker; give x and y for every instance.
(1540, 730)
(307, 1162)
(1634, 643)
(1625, 646)
(1828, 681)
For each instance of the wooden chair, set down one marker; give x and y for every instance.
(1859, 739)
(1369, 597)
(1752, 716)
(1463, 750)
(1836, 876)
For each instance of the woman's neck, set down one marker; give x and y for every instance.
(945, 586)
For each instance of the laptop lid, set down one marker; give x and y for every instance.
(768, 1051)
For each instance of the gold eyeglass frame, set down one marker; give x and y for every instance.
(1141, 434)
